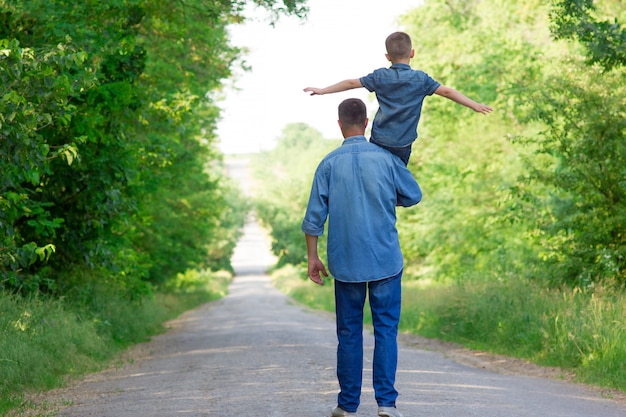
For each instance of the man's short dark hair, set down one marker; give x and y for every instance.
(398, 45)
(352, 112)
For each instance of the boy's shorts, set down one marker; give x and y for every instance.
(404, 153)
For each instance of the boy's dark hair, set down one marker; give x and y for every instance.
(398, 45)
(352, 112)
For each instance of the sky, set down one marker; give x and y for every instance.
(339, 39)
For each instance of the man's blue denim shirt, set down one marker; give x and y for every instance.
(356, 187)
(400, 91)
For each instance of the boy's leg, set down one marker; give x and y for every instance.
(349, 302)
(403, 153)
(385, 298)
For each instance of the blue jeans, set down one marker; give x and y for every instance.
(384, 300)
(404, 153)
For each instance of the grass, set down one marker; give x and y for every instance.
(45, 341)
(580, 331)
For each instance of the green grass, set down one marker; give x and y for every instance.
(580, 331)
(583, 332)
(40, 342)
(45, 341)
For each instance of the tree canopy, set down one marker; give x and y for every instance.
(536, 189)
(107, 123)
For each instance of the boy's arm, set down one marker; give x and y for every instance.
(335, 88)
(457, 97)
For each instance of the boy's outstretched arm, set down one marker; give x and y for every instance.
(335, 88)
(457, 97)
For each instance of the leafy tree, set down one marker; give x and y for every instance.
(563, 220)
(285, 176)
(579, 164)
(534, 189)
(464, 162)
(581, 20)
(571, 194)
(107, 129)
(36, 95)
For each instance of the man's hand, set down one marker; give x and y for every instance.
(316, 266)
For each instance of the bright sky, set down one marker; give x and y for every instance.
(339, 40)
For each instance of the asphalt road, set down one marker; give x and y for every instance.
(257, 353)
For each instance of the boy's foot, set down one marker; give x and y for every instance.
(340, 412)
(389, 412)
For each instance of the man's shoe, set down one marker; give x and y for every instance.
(340, 412)
(389, 412)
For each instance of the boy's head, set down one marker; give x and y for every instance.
(399, 47)
(352, 117)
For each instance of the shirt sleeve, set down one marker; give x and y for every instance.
(431, 85)
(408, 190)
(317, 208)
(368, 82)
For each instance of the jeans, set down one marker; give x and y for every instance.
(404, 153)
(384, 300)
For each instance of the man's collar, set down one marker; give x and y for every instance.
(354, 139)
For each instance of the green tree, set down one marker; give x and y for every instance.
(463, 161)
(107, 126)
(563, 220)
(579, 156)
(604, 39)
(37, 94)
(285, 176)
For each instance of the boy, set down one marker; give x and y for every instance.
(400, 92)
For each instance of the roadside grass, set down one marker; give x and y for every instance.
(45, 341)
(579, 331)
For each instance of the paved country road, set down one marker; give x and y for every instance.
(255, 353)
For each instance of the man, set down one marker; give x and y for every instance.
(357, 188)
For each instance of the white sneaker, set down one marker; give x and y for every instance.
(340, 412)
(389, 412)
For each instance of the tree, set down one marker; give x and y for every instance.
(284, 175)
(579, 163)
(604, 40)
(563, 220)
(104, 110)
(463, 161)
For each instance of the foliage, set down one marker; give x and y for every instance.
(604, 40)
(465, 162)
(45, 340)
(106, 124)
(551, 209)
(534, 189)
(280, 203)
(579, 331)
(580, 161)
(35, 95)
(111, 186)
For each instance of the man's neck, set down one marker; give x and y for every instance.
(353, 132)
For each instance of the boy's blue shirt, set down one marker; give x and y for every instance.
(356, 188)
(400, 91)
